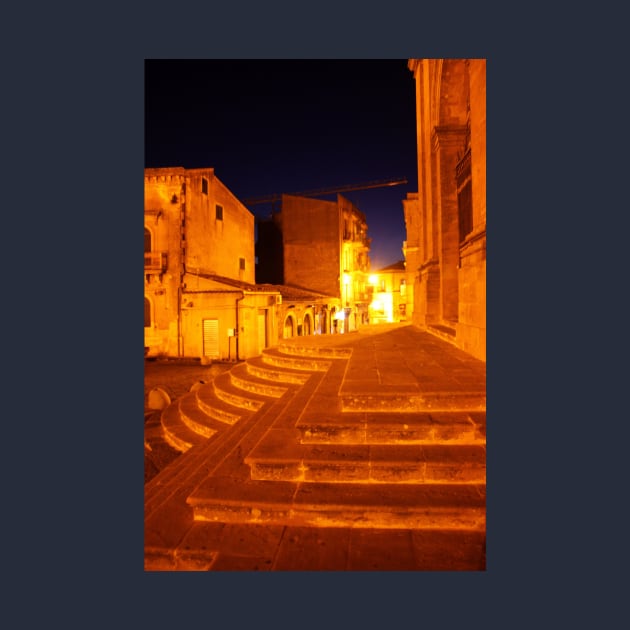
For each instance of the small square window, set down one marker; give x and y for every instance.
(241, 263)
(219, 212)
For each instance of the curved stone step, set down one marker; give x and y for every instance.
(196, 419)
(176, 433)
(277, 358)
(419, 506)
(279, 457)
(257, 367)
(243, 379)
(215, 407)
(228, 392)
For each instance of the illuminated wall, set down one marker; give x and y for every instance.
(446, 225)
(219, 229)
(392, 294)
(311, 243)
(326, 249)
(194, 226)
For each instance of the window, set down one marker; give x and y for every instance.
(204, 185)
(219, 212)
(147, 313)
(464, 202)
(241, 263)
(403, 288)
(464, 196)
(147, 241)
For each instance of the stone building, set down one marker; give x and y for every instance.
(320, 246)
(302, 312)
(446, 221)
(392, 298)
(200, 297)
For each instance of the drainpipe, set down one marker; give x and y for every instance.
(236, 330)
(182, 267)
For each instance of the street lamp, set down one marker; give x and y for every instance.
(346, 282)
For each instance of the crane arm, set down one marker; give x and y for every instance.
(379, 183)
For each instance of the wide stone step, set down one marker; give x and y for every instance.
(392, 427)
(409, 401)
(257, 367)
(317, 351)
(276, 358)
(280, 457)
(421, 506)
(242, 378)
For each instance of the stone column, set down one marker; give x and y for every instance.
(448, 144)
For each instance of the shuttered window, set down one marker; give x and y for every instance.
(211, 338)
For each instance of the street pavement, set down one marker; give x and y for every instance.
(394, 367)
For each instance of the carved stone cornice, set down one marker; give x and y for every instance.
(448, 136)
(429, 265)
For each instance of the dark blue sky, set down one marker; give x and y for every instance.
(288, 126)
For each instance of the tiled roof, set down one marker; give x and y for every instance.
(397, 266)
(287, 292)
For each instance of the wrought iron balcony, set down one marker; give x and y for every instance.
(155, 261)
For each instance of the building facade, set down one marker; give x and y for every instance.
(446, 221)
(303, 313)
(392, 297)
(200, 297)
(319, 246)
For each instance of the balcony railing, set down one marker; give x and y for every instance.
(155, 261)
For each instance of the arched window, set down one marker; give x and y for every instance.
(147, 313)
(147, 241)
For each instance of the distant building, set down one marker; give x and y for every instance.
(303, 313)
(391, 299)
(446, 220)
(319, 246)
(200, 299)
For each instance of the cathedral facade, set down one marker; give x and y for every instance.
(446, 220)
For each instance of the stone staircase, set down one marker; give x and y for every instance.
(302, 453)
(210, 409)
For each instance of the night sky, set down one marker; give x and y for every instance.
(289, 126)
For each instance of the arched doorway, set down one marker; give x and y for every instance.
(307, 328)
(289, 328)
(333, 319)
(323, 326)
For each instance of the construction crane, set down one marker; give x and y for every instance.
(319, 192)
